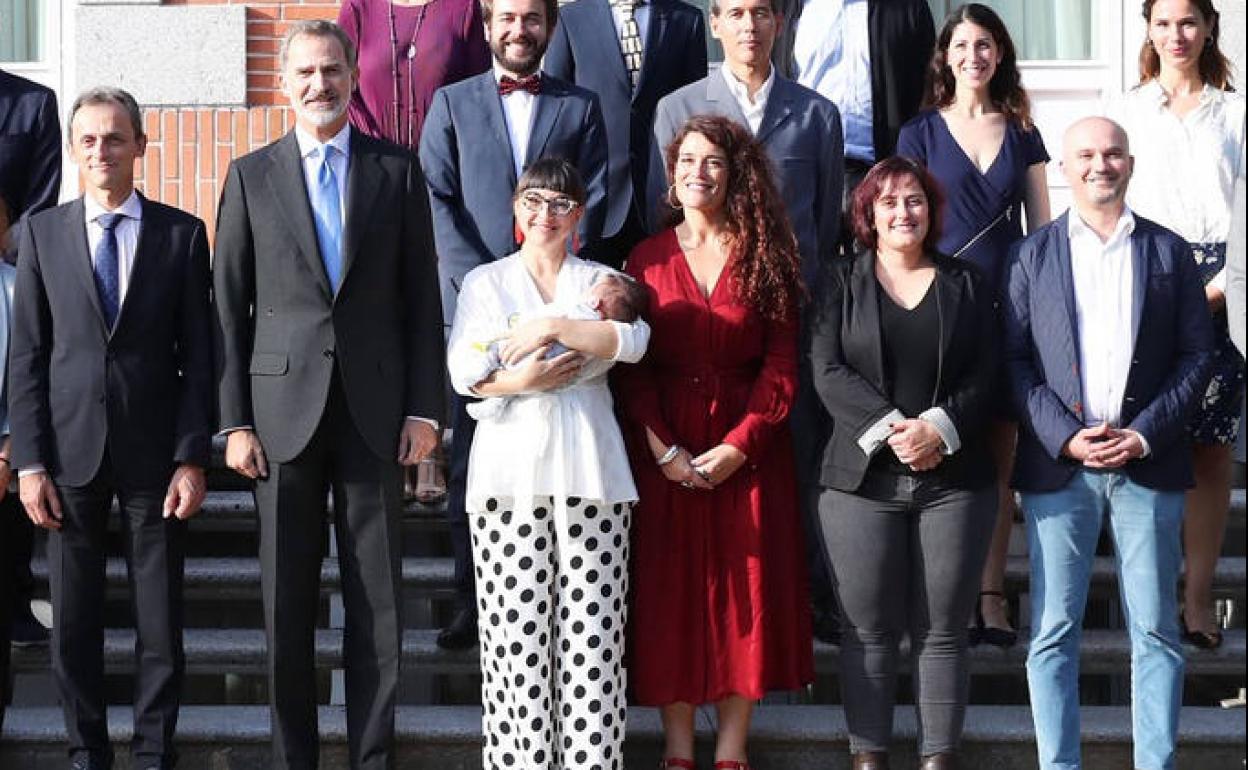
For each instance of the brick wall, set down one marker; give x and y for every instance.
(190, 149)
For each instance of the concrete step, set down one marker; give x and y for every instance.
(782, 737)
(239, 650)
(231, 578)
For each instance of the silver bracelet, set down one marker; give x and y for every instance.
(672, 452)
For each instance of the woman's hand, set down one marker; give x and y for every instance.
(681, 471)
(542, 373)
(527, 338)
(718, 463)
(914, 442)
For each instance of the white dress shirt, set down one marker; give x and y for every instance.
(311, 150)
(518, 115)
(832, 51)
(1103, 278)
(641, 15)
(126, 232)
(1185, 169)
(753, 108)
(562, 443)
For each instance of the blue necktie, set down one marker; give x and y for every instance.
(327, 213)
(107, 283)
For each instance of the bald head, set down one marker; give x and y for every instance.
(1097, 162)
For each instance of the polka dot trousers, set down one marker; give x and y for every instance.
(552, 587)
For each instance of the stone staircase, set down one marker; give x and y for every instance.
(224, 724)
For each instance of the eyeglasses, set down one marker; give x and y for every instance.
(559, 207)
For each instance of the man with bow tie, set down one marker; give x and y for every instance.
(479, 135)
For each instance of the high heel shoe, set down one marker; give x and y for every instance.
(943, 761)
(870, 760)
(674, 763)
(1201, 640)
(982, 633)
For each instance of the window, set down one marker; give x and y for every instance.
(1045, 30)
(21, 30)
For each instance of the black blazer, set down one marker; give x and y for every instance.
(382, 329)
(848, 370)
(30, 146)
(1169, 371)
(142, 392)
(585, 50)
(901, 38)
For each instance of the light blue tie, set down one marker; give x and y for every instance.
(327, 213)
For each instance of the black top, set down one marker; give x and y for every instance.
(910, 345)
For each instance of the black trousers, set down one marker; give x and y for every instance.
(367, 505)
(463, 427)
(12, 517)
(153, 548)
(614, 250)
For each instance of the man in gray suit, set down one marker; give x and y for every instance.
(479, 135)
(801, 132)
(330, 375)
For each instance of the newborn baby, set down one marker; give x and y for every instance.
(613, 297)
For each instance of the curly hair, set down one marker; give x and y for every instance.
(1006, 87)
(764, 266)
(1214, 67)
(883, 175)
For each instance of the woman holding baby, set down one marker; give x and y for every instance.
(719, 578)
(549, 488)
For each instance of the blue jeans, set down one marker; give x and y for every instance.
(1062, 530)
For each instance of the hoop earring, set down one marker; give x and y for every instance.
(517, 234)
(671, 197)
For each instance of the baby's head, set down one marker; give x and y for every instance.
(617, 297)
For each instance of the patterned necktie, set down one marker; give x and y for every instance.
(104, 265)
(327, 213)
(531, 83)
(630, 38)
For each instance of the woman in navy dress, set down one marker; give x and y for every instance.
(976, 137)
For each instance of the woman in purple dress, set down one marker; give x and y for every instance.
(407, 50)
(977, 139)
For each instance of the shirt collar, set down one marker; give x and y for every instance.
(1158, 95)
(739, 90)
(131, 207)
(1076, 228)
(310, 145)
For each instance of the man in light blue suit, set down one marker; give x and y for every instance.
(661, 46)
(479, 135)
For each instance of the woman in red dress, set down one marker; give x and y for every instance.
(719, 610)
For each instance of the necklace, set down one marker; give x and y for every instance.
(399, 135)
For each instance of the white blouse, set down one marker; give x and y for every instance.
(564, 443)
(1185, 169)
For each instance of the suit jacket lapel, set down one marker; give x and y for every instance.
(603, 25)
(717, 93)
(1140, 264)
(779, 108)
(364, 182)
(151, 244)
(866, 319)
(948, 301)
(1066, 303)
(287, 184)
(546, 110)
(651, 46)
(492, 112)
(80, 256)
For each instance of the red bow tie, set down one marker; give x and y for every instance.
(507, 84)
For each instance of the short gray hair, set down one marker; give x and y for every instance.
(317, 28)
(108, 95)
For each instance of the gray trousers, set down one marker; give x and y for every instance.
(906, 555)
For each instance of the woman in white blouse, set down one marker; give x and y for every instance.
(549, 491)
(1186, 129)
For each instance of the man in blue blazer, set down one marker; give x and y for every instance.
(801, 132)
(479, 135)
(661, 46)
(1108, 345)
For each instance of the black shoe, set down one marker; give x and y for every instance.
(982, 633)
(827, 626)
(461, 633)
(1201, 640)
(26, 630)
(85, 761)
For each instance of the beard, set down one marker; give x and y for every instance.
(320, 117)
(521, 65)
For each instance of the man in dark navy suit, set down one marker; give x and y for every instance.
(479, 136)
(1108, 349)
(110, 396)
(661, 46)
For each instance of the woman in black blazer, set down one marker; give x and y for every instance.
(903, 354)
